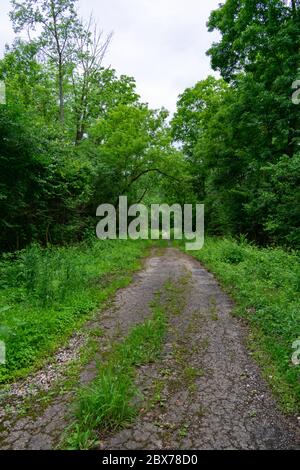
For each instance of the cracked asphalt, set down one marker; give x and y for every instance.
(205, 392)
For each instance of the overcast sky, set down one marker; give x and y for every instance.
(162, 43)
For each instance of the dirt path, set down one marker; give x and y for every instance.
(204, 393)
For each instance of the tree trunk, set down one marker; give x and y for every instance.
(61, 92)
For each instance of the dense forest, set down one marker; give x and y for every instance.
(75, 134)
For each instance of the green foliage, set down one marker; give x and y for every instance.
(265, 285)
(60, 26)
(242, 139)
(29, 83)
(47, 294)
(195, 106)
(43, 182)
(95, 95)
(59, 161)
(232, 253)
(134, 146)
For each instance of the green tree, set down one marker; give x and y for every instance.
(60, 25)
(95, 95)
(29, 83)
(242, 138)
(131, 144)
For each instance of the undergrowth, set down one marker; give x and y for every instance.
(46, 294)
(265, 283)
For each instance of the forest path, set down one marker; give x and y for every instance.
(205, 392)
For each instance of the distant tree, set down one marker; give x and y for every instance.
(131, 142)
(91, 46)
(28, 82)
(194, 107)
(60, 26)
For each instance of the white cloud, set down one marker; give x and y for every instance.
(161, 43)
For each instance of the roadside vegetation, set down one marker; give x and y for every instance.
(47, 294)
(265, 283)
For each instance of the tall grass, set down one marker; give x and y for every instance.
(47, 293)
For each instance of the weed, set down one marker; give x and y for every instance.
(107, 403)
(183, 431)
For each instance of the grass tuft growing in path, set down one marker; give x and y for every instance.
(107, 403)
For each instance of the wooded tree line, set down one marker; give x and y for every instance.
(74, 134)
(241, 134)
